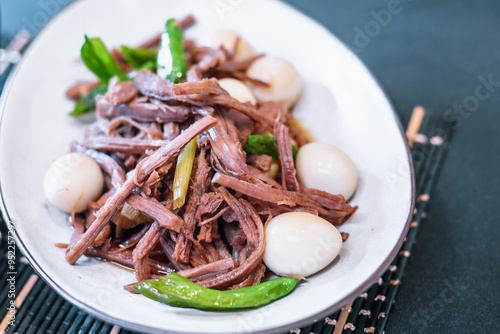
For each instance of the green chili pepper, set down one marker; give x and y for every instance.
(98, 59)
(175, 290)
(87, 102)
(139, 58)
(171, 62)
(260, 144)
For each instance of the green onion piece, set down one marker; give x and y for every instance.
(98, 59)
(149, 65)
(171, 62)
(87, 102)
(183, 171)
(134, 215)
(260, 144)
(139, 58)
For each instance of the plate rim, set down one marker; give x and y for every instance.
(134, 326)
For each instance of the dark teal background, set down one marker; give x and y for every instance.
(432, 53)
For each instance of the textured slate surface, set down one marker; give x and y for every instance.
(434, 54)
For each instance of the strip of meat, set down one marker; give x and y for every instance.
(260, 161)
(244, 217)
(149, 84)
(252, 279)
(156, 211)
(214, 217)
(134, 239)
(120, 61)
(208, 203)
(228, 152)
(169, 248)
(210, 59)
(155, 132)
(264, 178)
(147, 242)
(198, 188)
(103, 236)
(197, 257)
(142, 111)
(205, 86)
(246, 108)
(333, 202)
(161, 156)
(151, 188)
(78, 230)
(251, 262)
(266, 208)
(245, 126)
(242, 76)
(266, 194)
(274, 110)
(283, 197)
(233, 66)
(130, 288)
(209, 268)
(78, 90)
(186, 22)
(210, 250)
(115, 122)
(171, 130)
(288, 172)
(151, 43)
(222, 249)
(124, 145)
(141, 266)
(182, 249)
(142, 171)
(125, 258)
(122, 93)
(107, 164)
(234, 235)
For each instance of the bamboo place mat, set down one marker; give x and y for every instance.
(41, 310)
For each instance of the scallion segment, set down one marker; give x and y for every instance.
(139, 58)
(98, 59)
(171, 62)
(261, 144)
(183, 172)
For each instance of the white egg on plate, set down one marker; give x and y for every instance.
(237, 90)
(227, 39)
(300, 243)
(283, 79)
(72, 181)
(326, 168)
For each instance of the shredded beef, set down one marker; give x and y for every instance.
(288, 172)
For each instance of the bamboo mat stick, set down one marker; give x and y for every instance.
(414, 125)
(413, 128)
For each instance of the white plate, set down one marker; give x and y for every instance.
(342, 104)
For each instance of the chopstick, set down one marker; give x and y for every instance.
(416, 119)
(18, 302)
(115, 330)
(339, 327)
(12, 54)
